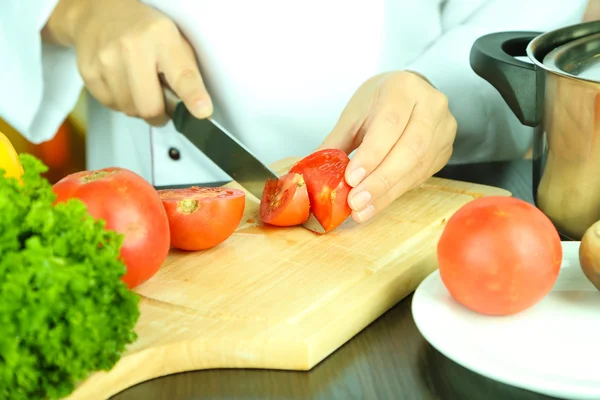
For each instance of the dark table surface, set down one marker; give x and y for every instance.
(388, 360)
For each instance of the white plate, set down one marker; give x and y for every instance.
(552, 348)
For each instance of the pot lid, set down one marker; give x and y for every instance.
(579, 58)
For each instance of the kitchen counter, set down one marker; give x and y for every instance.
(387, 360)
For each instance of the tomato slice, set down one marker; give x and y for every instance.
(323, 172)
(285, 201)
(202, 217)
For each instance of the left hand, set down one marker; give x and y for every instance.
(403, 132)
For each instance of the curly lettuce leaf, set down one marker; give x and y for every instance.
(64, 311)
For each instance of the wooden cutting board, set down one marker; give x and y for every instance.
(282, 298)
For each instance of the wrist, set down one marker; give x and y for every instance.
(63, 22)
(420, 75)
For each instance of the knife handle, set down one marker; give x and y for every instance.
(169, 96)
(171, 101)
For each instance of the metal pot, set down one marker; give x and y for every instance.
(558, 94)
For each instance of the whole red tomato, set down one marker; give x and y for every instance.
(202, 217)
(130, 206)
(499, 255)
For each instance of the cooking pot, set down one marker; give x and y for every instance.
(558, 94)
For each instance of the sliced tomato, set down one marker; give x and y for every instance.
(323, 171)
(285, 201)
(202, 217)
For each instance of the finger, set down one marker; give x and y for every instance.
(146, 88)
(100, 91)
(407, 154)
(405, 184)
(95, 84)
(381, 135)
(118, 84)
(112, 68)
(438, 155)
(181, 71)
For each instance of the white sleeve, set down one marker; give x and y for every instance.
(487, 128)
(40, 82)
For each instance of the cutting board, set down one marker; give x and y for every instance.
(282, 298)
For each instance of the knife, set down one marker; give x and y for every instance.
(219, 145)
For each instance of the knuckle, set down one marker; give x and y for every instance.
(128, 46)
(414, 79)
(447, 154)
(441, 101)
(154, 111)
(385, 183)
(89, 75)
(453, 124)
(410, 80)
(163, 26)
(110, 103)
(186, 74)
(419, 166)
(106, 58)
(188, 82)
(129, 110)
(418, 148)
(391, 116)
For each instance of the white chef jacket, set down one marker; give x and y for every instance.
(279, 73)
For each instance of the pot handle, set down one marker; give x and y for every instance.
(493, 59)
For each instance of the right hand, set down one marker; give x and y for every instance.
(122, 46)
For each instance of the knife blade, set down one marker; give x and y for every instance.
(219, 145)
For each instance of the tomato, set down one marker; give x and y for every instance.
(323, 171)
(201, 217)
(285, 201)
(55, 152)
(9, 159)
(130, 206)
(499, 255)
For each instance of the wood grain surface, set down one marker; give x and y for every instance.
(387, 360)
(275, 298)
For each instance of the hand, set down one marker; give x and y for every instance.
(122, 46)
(403, 132)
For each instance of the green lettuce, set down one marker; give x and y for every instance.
(64, 311)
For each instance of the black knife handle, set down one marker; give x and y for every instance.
(171, 101)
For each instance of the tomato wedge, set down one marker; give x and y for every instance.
(285, 201)
(202, 217)
(323, 171)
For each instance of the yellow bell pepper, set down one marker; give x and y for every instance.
(9, 159)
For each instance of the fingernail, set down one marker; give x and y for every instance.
(356, 176)
(203, 109)
(366, 213)
(360, 200)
